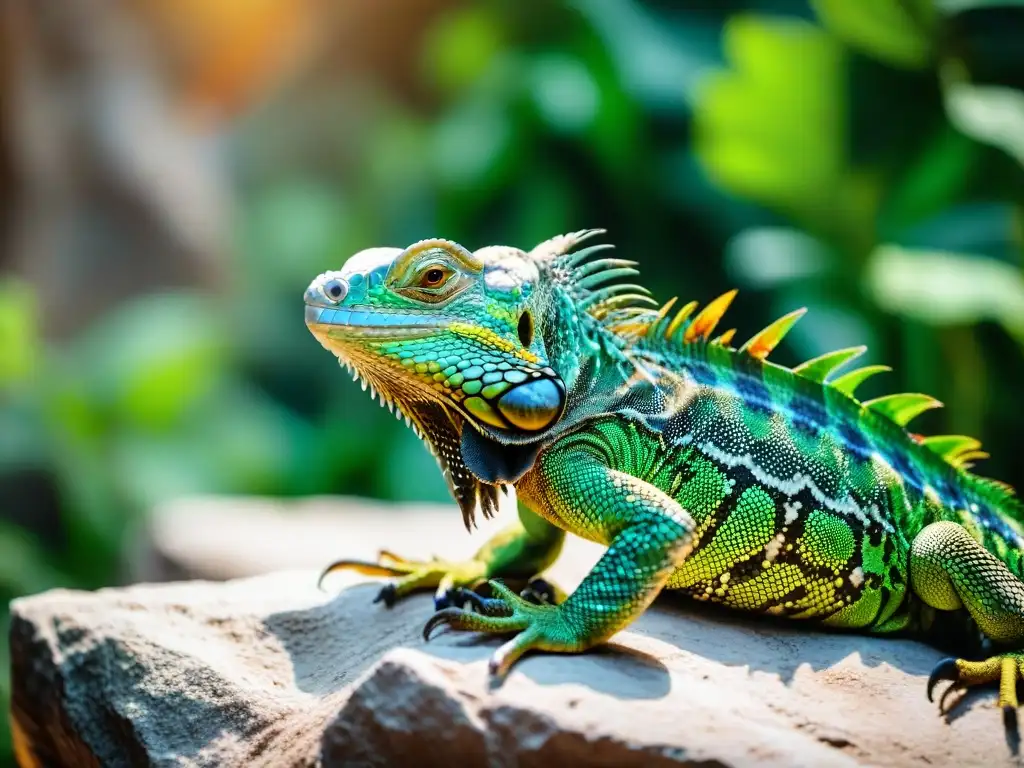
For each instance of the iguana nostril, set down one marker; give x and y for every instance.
(335, 289)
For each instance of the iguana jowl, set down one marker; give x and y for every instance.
(702, 467)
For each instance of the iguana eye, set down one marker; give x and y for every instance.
(433, 277)
(335, 290)
(432, 283)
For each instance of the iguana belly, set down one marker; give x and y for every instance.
(771, 548)
(815, 568)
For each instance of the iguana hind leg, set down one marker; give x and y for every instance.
(648, 535)
(949, 570)
(518, 553)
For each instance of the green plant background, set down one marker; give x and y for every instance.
(863, 159)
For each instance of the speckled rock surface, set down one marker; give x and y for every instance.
(268, 670)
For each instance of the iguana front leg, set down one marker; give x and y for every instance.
(648, 535)
(519, 553)
(949, 570)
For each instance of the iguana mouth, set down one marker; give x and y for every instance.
(493, 430)
(325, 322)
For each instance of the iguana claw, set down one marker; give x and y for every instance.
(387, 595)
(458, 618)
(946, 669)
(458, 597)
(485, 606)
(537, 591)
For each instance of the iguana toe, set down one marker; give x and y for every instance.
(449, 598)
(461, 597)
(1007, 668)
(461, 619)
(413, 576)
(538, 627)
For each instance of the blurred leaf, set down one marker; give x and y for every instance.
(18, 333)
(411, 460)
(947, 288)
(258, 442)
(566, 95)
(461, 45)
(771, 127)
(545, 204)
(155, 469)
(396, 193)
(473, 145)
(73, 411)
(659, 63)
(95, 513)
(24, 438)
(993, 114)
(767, 257)
(959, 6)
(290, 232)
(932, 181)
(685, 184)
(153, 359)
(830, 323)
(24, 568)
(397, 155)
(983, 229)
(329, 459)
(242, 442)
(6, 745)
(614, 136)
(898, 32)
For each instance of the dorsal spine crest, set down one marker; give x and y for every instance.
(629, 313)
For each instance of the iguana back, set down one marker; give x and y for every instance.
(806, 500)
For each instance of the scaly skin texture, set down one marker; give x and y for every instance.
(701, 466)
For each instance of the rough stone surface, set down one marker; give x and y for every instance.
(217, 537)
(269, 671)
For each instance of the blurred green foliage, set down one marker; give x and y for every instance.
(861, 158)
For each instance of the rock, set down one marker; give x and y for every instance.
(270, 671)
(222, 537)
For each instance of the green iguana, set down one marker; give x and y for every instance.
(701, 466)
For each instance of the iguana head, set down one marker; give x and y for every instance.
(477, 350)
